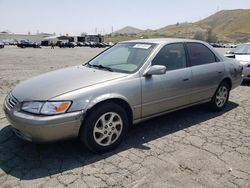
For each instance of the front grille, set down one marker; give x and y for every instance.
(11, 101)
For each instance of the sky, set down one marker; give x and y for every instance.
(100, 16)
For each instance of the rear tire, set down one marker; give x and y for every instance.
(220, 98)
(104, 127)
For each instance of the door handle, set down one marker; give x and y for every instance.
(185, 79)
(219, 72)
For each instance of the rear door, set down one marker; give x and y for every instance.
(170, 90)
(207, 71)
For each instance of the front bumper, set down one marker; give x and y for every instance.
(44, 128)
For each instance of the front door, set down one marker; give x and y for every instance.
(171, 90)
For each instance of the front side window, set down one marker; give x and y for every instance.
(199, 54)
(123, 57)
(172, 56)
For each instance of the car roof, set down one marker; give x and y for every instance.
(163, 40)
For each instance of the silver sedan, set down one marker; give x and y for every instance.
(126, 84)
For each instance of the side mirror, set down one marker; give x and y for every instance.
(155, 70)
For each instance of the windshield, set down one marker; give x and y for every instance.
(123, 57)
(242, 49)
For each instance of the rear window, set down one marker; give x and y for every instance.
(199, 54)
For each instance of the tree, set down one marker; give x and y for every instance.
(199, 35)
(211, 37)
(83, 34)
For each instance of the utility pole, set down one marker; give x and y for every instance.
(218, 8)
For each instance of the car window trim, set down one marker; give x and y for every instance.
(187, 55)
(190, 64)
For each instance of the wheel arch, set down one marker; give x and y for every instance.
(117, 100)
(228, 81)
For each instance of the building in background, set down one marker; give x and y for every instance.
(18, 37)
(46, 39)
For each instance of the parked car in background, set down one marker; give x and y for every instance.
(81, 44)
(62, 44)
(1, 44)
(13, 43)
(72, 44)
(220, 45)
(97, 45)
(28, 44)
(128, 83)
(10, 42)
(233, 45)
(216, 45)
(111, 43)
(67, 45)
(86, 44)
(229, 45)
(242, 54)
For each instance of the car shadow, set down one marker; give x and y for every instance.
(245, 83)
(27, 161)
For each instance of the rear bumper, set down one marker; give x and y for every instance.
(44, 128)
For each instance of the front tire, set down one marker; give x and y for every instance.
(220, 98)
(104, 128)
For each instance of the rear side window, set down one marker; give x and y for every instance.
(199, 54)
(172, 56)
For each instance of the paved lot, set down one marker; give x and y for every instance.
(188, 148)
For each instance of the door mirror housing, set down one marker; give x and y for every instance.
(155, 70)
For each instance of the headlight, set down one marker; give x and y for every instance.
(55, 107)
(46, 108)
(32, 107)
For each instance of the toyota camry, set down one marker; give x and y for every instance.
(125, 84)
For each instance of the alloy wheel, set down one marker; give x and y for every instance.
(221, 96)
(108, 128)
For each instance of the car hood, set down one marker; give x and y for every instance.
(244, 59)
(51, 84)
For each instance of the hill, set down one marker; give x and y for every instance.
(128, 30)
(229, 24)
(224, 26)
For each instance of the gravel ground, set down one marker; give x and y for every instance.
(188, 148)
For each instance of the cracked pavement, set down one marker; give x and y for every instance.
(188, 148)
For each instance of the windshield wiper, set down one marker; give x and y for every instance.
(100, 66)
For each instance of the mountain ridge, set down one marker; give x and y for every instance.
(128, 30)
(223, 26)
